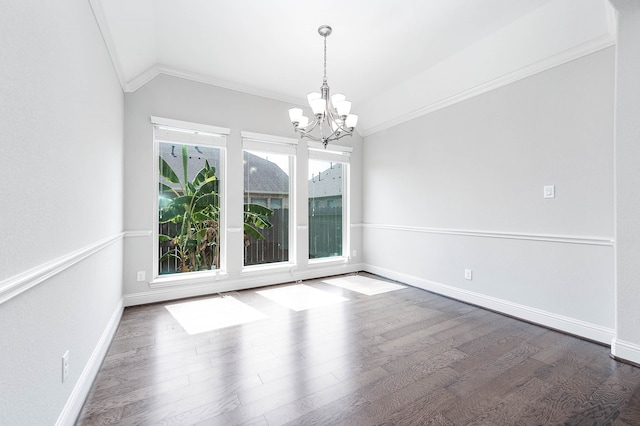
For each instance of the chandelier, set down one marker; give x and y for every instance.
(331, 117)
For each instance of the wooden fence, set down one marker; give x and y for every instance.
(325, 239)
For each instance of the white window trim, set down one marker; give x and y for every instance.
(277, 145)
(264, 138)
(335, 153)
(170, 130)
(189, 126)
(330, 148)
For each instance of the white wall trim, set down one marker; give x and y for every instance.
(568, 55)
(262, 137)
(225, 84)
(101, 20)
(567, 239)
(191, 126)
(548, 319)
(333, 148)
(137, 234)
(17, 284)
(247, 281)
(625, 351)
(148, 75)
(141, 79)
(80, 391)
(191, 278)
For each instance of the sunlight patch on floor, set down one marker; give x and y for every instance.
(364, 285)
(300, 297)
(205, 315)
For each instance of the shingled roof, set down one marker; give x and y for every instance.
(264, 176)
(327, 183)
(261, 176)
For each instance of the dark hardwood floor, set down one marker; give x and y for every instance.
(407, 357)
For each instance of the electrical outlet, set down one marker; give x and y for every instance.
(354, 253)
(549, 191)
(468, 274)
(141, 276)
(65, 366)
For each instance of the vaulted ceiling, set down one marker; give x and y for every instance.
(394, 59)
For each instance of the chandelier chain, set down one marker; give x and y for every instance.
(325, 60)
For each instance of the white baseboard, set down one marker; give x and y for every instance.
(625, 351)
(249, 280)
(81, 390)
(558, 322)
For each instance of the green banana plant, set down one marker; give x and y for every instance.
(194, 207)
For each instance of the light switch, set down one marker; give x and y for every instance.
(549, 191)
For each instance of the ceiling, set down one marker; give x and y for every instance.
(394, 59)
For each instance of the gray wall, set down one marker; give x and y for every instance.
(61, 220)
(462, 188)
(175, 98)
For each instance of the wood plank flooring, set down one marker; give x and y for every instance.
(407, 357)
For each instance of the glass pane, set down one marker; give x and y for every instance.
(266, 208)
(325, 209)
(189, 208)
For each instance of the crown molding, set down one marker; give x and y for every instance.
(142, 79)
(131, 85)
(103, 26)
(584, 49)
(158, 69)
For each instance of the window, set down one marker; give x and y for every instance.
(190, 173)
(268, 181)
(328, 203)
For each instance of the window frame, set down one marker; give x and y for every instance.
(189, 133)
(270, 144)
(337, 154)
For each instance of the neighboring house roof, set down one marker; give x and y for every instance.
(265, 177)
(328, 183)
(261, 176)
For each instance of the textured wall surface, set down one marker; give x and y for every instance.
(61, 132)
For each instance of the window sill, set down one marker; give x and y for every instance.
(269, 267)
(188, 278)
(328, 261)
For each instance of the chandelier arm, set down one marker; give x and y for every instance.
(339, 122)
(341, 136)
(339, 133)
(315, 123)
(308, 136)
(333, 115)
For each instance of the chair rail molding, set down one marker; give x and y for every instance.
(17, 284)
(567, 239)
